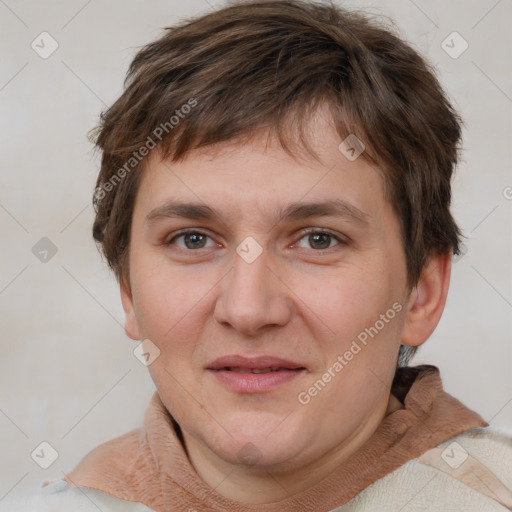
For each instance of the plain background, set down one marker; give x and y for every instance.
(68, 373)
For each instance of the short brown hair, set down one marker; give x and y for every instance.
(263, 64)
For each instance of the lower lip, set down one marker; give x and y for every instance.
(254, 382)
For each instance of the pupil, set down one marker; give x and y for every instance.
(316, 236)
(194, 237)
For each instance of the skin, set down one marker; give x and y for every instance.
(301, 299)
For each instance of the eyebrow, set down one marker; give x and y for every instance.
(294, 211)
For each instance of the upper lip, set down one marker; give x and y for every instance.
(252, 363)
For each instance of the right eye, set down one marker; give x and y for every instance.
(192, 240)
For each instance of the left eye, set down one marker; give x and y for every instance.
(320, 239)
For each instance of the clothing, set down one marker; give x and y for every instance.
(407, 465)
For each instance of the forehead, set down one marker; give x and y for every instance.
(258, 176)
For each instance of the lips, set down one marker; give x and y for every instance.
(261, 364)
(254, 374)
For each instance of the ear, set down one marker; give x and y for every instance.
(131, 327)
(427, 300)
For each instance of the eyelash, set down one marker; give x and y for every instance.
(304, 233)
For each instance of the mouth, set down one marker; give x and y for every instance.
(258, 371)
(254, 375)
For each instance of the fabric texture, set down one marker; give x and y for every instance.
(420, 487)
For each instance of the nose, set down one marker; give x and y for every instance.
(253, 296)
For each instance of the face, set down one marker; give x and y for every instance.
(278, 324)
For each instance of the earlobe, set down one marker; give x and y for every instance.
(131, 327)
(427, 300)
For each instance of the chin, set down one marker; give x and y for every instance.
(253, 444)
(257, 456)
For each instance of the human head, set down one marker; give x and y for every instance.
(223, 76)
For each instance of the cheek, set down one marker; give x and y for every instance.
(361, 321)
(345, 301)
(169, 301)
